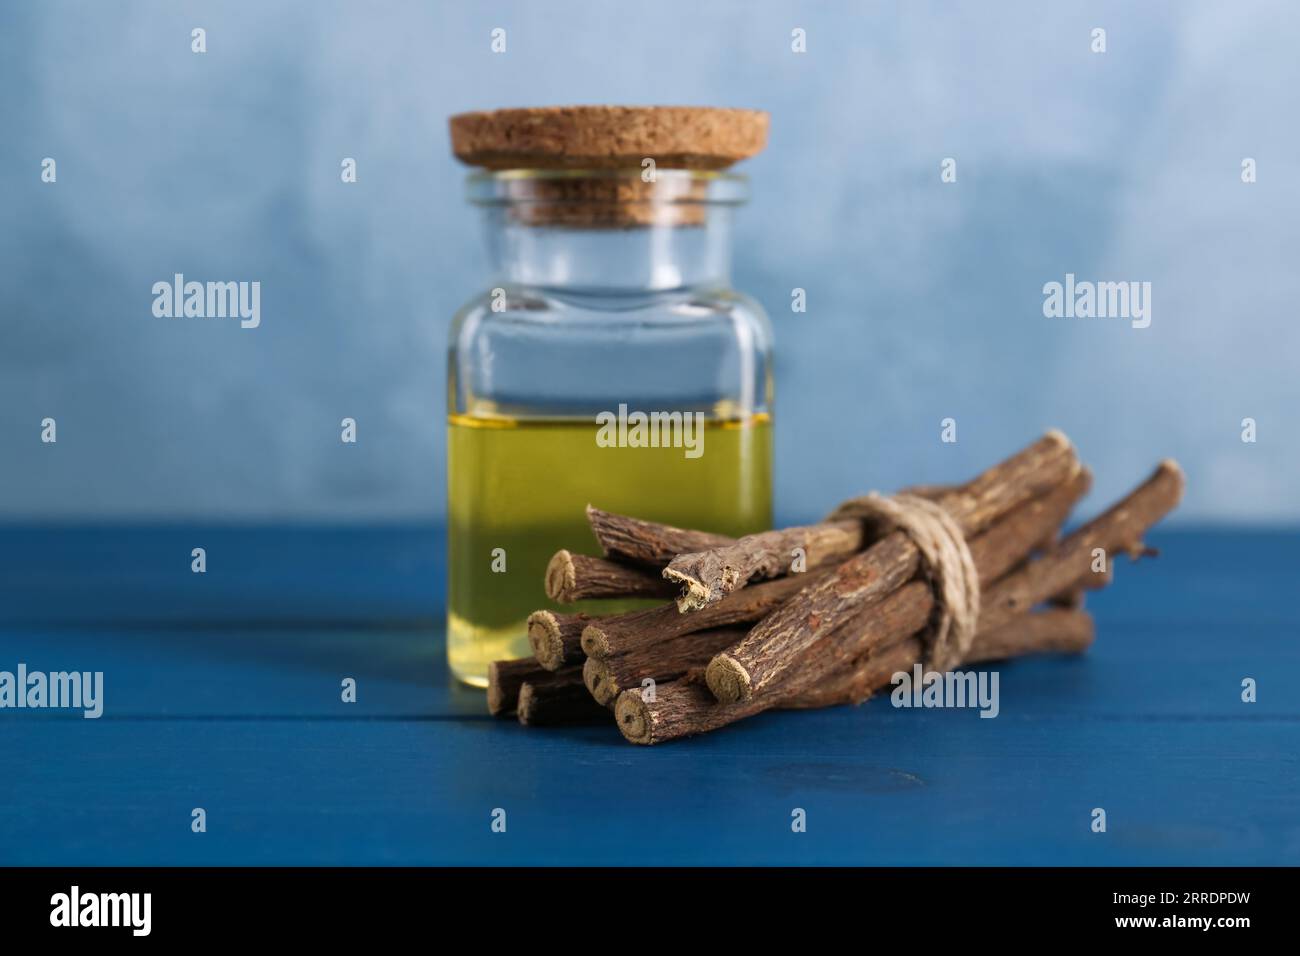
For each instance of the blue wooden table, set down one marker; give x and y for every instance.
(222, 691)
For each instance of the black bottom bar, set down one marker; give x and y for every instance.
(334, 905)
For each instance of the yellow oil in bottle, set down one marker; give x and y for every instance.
(517, 490)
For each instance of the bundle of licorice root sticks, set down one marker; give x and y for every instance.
(824, 614)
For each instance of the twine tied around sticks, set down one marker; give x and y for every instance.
(948, 560)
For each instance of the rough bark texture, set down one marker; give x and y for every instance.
(637, 630)
(1058, 572)
(574, 577)
(664, 661)
(910, 608)
(558, 699)
(905, 613)
(647, 542)
(1119, 529)
(761, 658)
(1009, 541)
(682, 708)
(556, 639)
(707, 576)
(1027, 474)
(1054, 631)
(757, 664)
(504, 680)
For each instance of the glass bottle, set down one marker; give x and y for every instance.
(611, 299)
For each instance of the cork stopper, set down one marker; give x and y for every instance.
(584, 166)
(608, 137)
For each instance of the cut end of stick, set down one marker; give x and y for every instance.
(1058, 437)
(496, 698)
(694, 595)
(1171, 467)
(525, 709)
(728, 680)
(561, 577)
(594, 642)
(632, 715)
(600, 682)
(544, 637)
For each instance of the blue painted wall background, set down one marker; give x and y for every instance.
(924, 299)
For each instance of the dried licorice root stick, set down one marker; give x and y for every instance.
(507, 678)
(558, 699)
(647, 542)
(908, 609)
(504, 680)
(664, 661)
(683, 708)
(556, 639)
(991, 494)
(1009, 541)
(1069, 563)
(1056, 573)
(1054, 630)
(637, 630)
(706, 576)
(574, 577)
(994, 553)
(641, 632)
(759, 661)
(1051, 631)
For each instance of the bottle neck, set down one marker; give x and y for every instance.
(609, 234)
